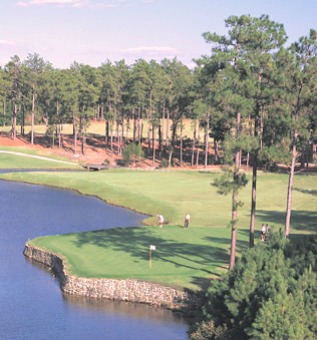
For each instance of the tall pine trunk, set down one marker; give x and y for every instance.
(254, 180)
(234, 213)
(118, 137)
(290, 188)
(253, 203)
(206, 140)
(167, 137)
(197, 145)
(111, 135)
(194, 143)
(139, 126)
(74, 133)
(153, 142)
(181, 142)
(32, 117)
(14, 121)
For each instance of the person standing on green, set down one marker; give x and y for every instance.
(186, 220)
(160, 220)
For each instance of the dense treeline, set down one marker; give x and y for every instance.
(249, 71)
(129, 99)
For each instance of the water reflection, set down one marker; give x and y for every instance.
(132, 310)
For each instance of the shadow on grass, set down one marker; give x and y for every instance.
(305, 191)
(209, 260)
(301, 220)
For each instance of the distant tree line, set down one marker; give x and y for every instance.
(146, 95)
(249, 72)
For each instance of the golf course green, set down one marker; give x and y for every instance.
(184, 258)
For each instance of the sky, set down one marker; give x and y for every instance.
(95, 31)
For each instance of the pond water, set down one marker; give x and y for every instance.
(32, 304)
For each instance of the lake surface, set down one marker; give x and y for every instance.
(31, 302)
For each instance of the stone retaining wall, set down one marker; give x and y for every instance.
(123, 290)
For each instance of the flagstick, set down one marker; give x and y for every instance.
(152, 247)
(150, 258)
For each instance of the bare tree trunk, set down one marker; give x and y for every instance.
(59, 126)
(198, 140)
(22, 123)
(83, 142)
(14, 121)
(216, 147)
(253, 204)
(122, 133)
(74, 133)
(160, 139)
(83, 137)
(111, 136)
(233, 230)
(206, 140)
(167, 128)
(234, 214)
(254, 180)
(170, 156)
(290, 189)
(153, 142)
(161, 127)
(139, 126)
(181, 143)
(107, 132)
(149, 137)
(127, 128)
(32, 117)
(194, 143)
(134, 125)
(59, 135)
(118, 139)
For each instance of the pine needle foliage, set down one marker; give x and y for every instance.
(271, 293)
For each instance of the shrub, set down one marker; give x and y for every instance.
(132, 153)
(270, 293)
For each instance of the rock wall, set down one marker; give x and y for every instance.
(123, 290)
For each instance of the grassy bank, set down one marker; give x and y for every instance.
(186, 258)
(17, 158)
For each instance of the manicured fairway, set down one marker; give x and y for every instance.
(173, 194)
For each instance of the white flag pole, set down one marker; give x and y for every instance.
(152, 247)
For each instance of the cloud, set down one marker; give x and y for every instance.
(72, 3)
(6, 42)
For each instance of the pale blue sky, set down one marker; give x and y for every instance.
(93, 31)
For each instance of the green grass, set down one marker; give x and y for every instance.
(185, 258)
(175, 193)
(29, 160)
